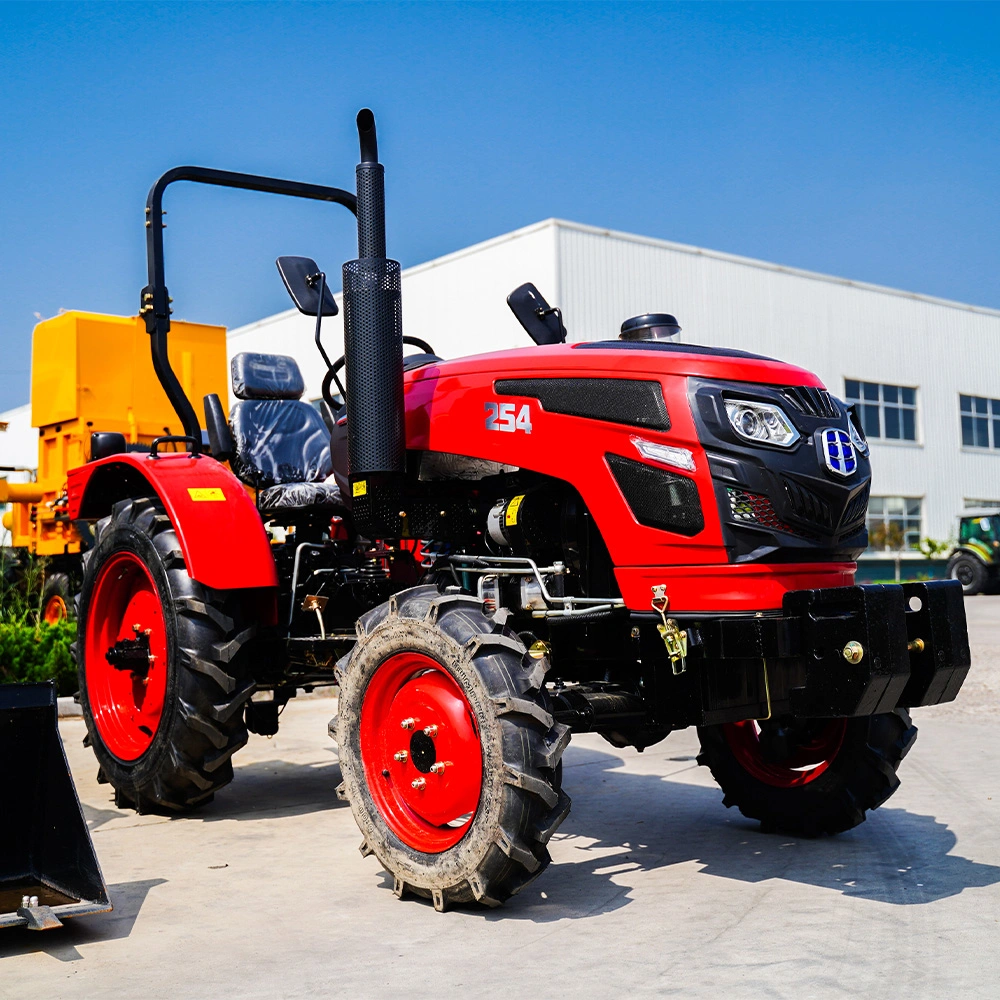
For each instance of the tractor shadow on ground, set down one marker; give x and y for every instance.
(276, 788)
(266, 789)
(61, 943)
(625, 825)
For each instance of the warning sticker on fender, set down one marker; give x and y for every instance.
(206, 493)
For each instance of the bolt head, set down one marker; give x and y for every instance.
(853, 652)
(430, 731)
(438, 767)
(408, 723)
(418, 783)
(401, 756)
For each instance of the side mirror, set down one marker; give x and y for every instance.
(542, 322)
(305, 283)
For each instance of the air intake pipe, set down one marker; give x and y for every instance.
(373, 350)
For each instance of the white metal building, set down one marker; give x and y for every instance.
(926, 370)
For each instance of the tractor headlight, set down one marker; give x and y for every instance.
(761, 422)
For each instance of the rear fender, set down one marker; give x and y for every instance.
(220, 532)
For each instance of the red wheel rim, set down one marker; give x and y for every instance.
(126, 705)
(421, 752)
(55, 610)
(807, 762)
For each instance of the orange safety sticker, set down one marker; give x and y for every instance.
(206, 493)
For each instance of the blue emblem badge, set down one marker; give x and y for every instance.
(838, 450)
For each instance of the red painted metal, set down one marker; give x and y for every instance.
(413, 689)
(446, 411)
(223, 541)
(126, 706)
(810, 759)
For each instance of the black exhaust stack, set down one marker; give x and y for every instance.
(373, 349)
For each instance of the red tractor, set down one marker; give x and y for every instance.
(488, 554)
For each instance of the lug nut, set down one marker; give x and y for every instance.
(400, 755)
(408, 723)
(438, 768)
(430, 731)
(418, 783)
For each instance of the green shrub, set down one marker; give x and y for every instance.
(38, 653)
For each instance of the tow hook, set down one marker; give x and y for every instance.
(674, 637)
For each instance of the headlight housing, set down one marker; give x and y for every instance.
(762, 423)
(859, 441)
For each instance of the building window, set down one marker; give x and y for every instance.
(887, 411)
(894, 523)
(988, 504)
(980, 421)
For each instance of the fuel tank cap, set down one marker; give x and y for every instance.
(650, 326)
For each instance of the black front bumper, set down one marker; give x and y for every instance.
(914, 652)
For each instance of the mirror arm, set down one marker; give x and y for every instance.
(312, 279)
(155, 301)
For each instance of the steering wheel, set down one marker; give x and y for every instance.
(331, 375)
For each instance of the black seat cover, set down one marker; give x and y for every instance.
(296, 495)
(278, 438)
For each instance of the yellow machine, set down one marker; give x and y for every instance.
(91, 372)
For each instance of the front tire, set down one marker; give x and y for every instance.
(164, 717)
(449, 755)
(808, 777)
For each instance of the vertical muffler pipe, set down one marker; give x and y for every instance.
(373, 350)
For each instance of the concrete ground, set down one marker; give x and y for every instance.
(655, 888)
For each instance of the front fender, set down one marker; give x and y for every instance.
(220, 532)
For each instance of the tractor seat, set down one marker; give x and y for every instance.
(281, 445)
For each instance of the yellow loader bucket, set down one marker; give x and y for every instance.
(48, 868)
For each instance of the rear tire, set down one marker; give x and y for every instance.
(163, 736)
(970, 573)
(827, 794)
(57, 598)
(439, 656)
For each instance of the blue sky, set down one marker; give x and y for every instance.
(859, 140)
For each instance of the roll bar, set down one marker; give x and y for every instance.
(155, 303)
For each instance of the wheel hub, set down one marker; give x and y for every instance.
(786, 756)
(126, 656)
(421, 752)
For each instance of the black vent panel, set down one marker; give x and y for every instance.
(635, 402)
(812, 401)
(857, 511)
(657, 498)
(808, 505)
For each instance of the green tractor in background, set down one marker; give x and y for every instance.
(975, 563)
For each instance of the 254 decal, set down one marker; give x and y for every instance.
(501, 417)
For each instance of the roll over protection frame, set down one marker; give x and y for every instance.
(155, 303)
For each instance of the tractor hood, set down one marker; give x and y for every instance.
(626, 359)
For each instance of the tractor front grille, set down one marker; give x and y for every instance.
(857, 511)
(812, 401)
(808, 505)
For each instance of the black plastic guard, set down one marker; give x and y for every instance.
(935, 618)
